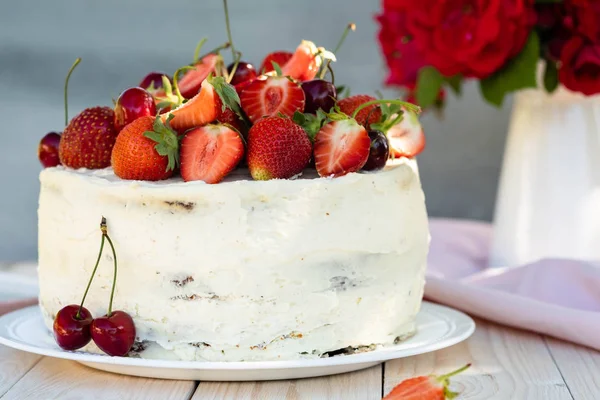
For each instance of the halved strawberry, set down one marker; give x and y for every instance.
(341, 147)
(349, 104)
(425, 388)
(189, 85)
(272, 95)
(210, 152)
(304, 64)
(279, 57)
(407, 138)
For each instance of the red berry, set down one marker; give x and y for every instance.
(132, 104)
(210, 152)
(114, 334)
(190, 83)
(243, 73)
(72, 331)
(425, 387)
(319, 94)
(341, 147)
(304, 64)
(379, 152)
(88, 140)
(349, 104)
(407, 138)
(277, 149)
(153, 82)
(270, 96)
(230, 117)
(279, 57)
(48, 150)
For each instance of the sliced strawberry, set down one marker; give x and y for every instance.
(189, 84)
(407, 138)
(279, 57)
(349, 104)
(425, 388)
(341, 147)
(268, 96)
(199, 110)
(304, 64)
(210, 152)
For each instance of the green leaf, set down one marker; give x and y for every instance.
(277, 68)
(429, 83)
(550, 76)
(455, 83)
(167, 141)
(311, 123)
(153, 136)
(518, 73)
(226, 92)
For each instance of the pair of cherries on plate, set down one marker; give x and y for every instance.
(74, 327)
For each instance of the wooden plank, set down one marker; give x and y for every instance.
(507, 364)
(359, 385)
(14, 364)
(579, 366)
(61, 379)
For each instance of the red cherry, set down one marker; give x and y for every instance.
(153, 80)
(114, 334)
(319, 94)
(48, 150)
(244, 72)
(132, 104)
(72, 331)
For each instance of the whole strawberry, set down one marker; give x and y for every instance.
(88, 140)
(349, 104)
(146, 149)
(277, 149)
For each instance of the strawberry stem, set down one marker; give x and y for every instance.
(198, 48)
(102, 228)
(443, 378)
(114, 284)
(350, 27)
(77, 61)
(176, 79)
(233, 52)
(407, 105)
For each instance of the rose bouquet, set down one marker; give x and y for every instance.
(433, 44)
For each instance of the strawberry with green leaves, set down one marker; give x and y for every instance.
(425, 388)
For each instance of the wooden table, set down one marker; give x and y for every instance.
(507, 364)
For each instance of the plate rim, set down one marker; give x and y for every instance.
(465, 326)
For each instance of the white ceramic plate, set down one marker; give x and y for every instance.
(17, 287)
(437, 327)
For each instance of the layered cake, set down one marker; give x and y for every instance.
(234, 214)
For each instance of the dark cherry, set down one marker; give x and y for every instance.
(72, 331)
(378, 152)
(132, 104)
(319, 93)
(154, 80)
(114, 334)
(48, 150)
(244, 72)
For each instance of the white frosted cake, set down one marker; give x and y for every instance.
(243, 270)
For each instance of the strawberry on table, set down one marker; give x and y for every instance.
(349, 104)
(272, 95)
(210, 152)
(147, 150)
(425, 388)
(277, 149)
(88, 140)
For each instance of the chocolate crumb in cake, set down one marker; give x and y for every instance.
(186, 205)
(183, 282)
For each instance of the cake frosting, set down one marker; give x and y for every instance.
(243, 270)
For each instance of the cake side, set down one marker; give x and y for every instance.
(242, 270)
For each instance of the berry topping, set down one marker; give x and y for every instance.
(132, 104)
(48, 150)
(210, 152)
(244, 72)
(228, 116)
(190, 83)
(88, 140)
(277, 149)
(407, 138)
(278, 57)
(319, 94)
(153, 82)
(341, 146)
(72, 327)
(372, 112)
(147, 149)
(379, 151)
(425, 387)
(273, 95)
(304, 63)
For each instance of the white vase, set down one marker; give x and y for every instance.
(548, 202)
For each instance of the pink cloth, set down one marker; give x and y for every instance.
(556, 297)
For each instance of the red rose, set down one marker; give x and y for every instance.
(580, 66)
(586, 17)
(469, 37)
(401, 54)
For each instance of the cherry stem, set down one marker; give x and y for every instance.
(332, 75)
(350, 27)
(102, 225)
(176, 79)
(407, 105)
(114, 284)
(451, 374)
(233, 52)
(198, 48)
(230, 75)
(224, 46)
(77, 61)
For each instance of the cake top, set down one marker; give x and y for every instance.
(215, 122)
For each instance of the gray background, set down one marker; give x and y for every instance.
(120, 41)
